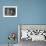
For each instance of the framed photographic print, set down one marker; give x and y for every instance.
(9, 11)
(33, 32)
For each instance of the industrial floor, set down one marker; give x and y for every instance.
(32, 43)
(28, 43)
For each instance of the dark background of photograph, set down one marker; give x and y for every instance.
(13, 11)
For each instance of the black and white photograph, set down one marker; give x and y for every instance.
(29, 34)
(10, 11)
